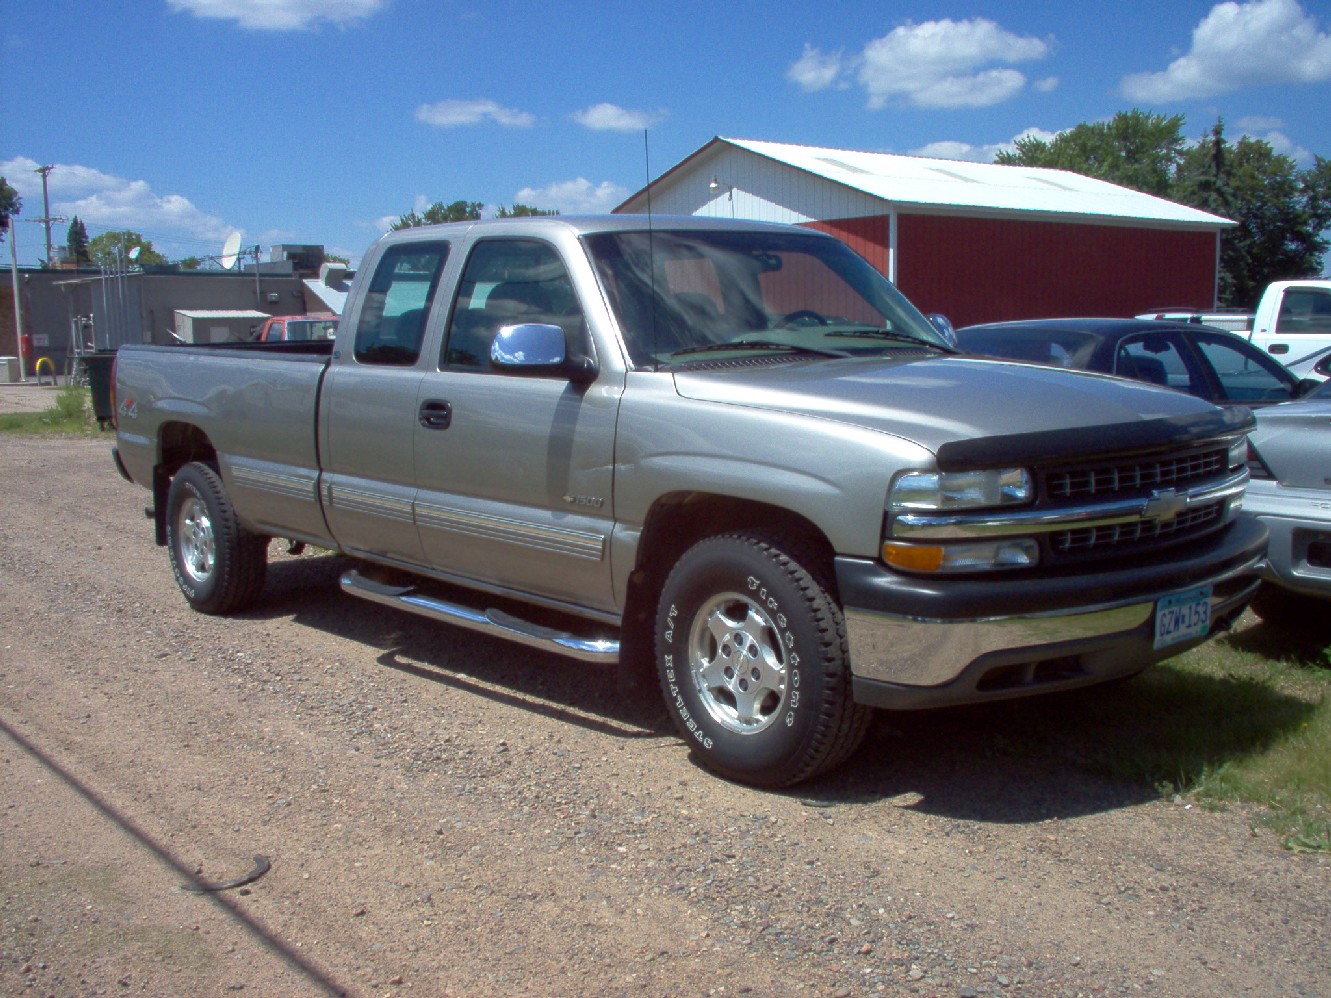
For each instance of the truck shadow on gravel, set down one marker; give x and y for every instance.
(306, 590)
(1013, 762)
(1067, 754)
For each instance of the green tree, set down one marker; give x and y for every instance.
(458, 211)
(1134, 149)
(112, 249)
(525, 211)
(76, 242)
(1282, 211)
(10, 204)
(190, 263)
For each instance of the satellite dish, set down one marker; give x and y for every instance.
(230, 250)
(134, 253)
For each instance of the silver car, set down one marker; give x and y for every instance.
(1289, 455)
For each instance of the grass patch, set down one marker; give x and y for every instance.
(70, 412)
(1245, 718)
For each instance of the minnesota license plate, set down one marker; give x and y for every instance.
(1182, 616)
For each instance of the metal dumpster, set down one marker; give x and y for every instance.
(98, 366)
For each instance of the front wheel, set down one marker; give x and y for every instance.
(752, 657)
(219, 566)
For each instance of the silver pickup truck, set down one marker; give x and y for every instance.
(730, 447)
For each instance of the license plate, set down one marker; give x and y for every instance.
(1182, 616)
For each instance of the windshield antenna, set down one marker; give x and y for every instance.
(651, 239)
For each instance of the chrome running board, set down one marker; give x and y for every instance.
(604, 651)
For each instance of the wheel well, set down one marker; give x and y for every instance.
(678, 521)
(178, 444)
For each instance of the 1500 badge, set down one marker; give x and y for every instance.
(594, 502)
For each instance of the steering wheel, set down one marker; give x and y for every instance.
(805, 316)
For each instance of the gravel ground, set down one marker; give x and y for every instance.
(449, 815)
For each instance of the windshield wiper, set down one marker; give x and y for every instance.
(874, 333)
(758, 345)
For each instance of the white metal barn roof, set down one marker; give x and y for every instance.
(951, 185)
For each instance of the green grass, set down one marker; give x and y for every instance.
(70, 412)
(1244, 719)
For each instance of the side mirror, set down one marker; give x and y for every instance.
(1306, 387)
(944, 326)
(539, 348)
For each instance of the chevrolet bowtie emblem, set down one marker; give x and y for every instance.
(1164, 505)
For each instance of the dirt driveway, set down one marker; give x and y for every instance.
(448, 815)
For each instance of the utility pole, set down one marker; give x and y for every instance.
(46, 209)
(18, 303)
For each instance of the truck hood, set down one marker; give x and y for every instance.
(959, 401)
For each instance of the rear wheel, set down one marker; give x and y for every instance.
(219, 566)
(751, 652)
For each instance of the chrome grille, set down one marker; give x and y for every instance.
(1104, 480)
(1120, 535)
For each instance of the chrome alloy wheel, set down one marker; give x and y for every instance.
(737, 663)
(195, 542)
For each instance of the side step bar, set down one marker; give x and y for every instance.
(603, 651)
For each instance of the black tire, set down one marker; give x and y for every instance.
(788, 714)
(219, 566)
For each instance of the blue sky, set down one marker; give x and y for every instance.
(318, 121)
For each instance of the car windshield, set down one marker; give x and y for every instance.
(1058, 347)
(686, 296)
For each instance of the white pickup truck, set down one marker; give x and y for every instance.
(1293, 319)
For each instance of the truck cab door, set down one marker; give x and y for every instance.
(368, 407)
(1302, 324)
(515, 470)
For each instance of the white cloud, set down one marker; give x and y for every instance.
(1259, 123)
(613, 118)
(1238, 45)
(1048, 85)
(816, 70)
(103, 201)
(280, 15)
(951, 149)
(452, 113)
(945, 64)
(575, 197)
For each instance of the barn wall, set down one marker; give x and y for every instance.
(987, 270)
(867, 236)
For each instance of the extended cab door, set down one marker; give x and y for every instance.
(514, 472)
(368, 406)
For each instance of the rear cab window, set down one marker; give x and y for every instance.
(392, 315)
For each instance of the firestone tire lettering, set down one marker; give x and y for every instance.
(752, 657)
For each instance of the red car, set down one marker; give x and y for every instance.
(298, 327)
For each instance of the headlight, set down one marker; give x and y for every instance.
(953, 493)
(940, 491)
(982, 556)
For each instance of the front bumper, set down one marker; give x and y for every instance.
(1299, 521)
(931, 642)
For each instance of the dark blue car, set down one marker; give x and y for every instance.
(1210, 363)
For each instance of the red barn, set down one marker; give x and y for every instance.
(976, 241)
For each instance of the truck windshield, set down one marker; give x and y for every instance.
(683, 296)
